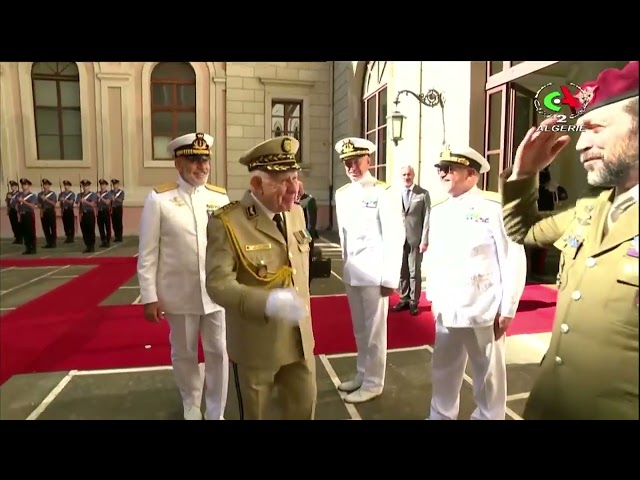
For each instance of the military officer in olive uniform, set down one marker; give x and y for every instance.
(12, 211)
(591, 368)
(87, 202)
(258, 269)
(47, 200)
(171, 273)
(67, 201)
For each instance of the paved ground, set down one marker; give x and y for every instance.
(151, 393)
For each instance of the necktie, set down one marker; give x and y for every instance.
(278, 219)
(407, 192)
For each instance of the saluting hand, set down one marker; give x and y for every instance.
(153, 312)
(538, 149)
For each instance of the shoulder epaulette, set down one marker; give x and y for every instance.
(343, 187)
(226, 207)
(165, 187)
(491, 196)
(215, 188)
(439, 201)
(380, 183)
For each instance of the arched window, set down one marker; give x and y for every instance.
(286, 119)
(375, 115)
(57, 113)
(173, 104)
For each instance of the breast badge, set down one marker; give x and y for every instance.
(262, 269)
(177, 201)
(260, 246)
(476, 217)
(573, 241)
(633, 249)
(251, 211)
(302, 236)
(211, 208)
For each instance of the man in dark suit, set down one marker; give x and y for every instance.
(416, 205)
(310, 209)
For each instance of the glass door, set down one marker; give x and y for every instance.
(494, 137)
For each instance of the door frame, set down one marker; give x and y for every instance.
(509, 147)
(499, 90)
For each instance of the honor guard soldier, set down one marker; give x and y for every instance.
(67, 201)
(590, 371)
(171, 272)
(103, 214)
(258, 270)
(12, 211)
(27, 203)
(371, 236)
(117, 200)
(47, 200)
(475, 278)
(87, 202)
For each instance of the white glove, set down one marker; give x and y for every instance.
(285, 304)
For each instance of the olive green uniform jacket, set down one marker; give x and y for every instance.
(590, 370)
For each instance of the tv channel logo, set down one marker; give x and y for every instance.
(558, 101)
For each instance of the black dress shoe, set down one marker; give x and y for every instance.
(400, 306)
(413, 309)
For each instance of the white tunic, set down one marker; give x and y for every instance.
(173, 244)
(474, 271)
(371, 233)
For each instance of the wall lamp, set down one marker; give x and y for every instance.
(432, 98)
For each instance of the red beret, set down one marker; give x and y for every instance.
(611, 86)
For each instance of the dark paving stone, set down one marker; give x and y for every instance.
(18, 276)
(128, 248)
(21, 394)
(517, 405)
(521, 377)
(122, 296)
(407, 393)
(153, 395)
(120, 396)
(330, 405)
(29, 292)
(74, 270)
(132, 282)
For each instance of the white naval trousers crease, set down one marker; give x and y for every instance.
(452, 349)
(369, 311)
(184, 330)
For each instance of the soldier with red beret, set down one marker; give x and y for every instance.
(590, 371)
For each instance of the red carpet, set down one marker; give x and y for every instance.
(34, 337)
(65, 329)
(334, 334)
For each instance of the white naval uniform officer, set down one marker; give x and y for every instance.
(171, 272)
(475, 279)
(371, 236)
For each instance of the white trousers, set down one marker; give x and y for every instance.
(452, 348)
(184, 358)
(369, 311)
